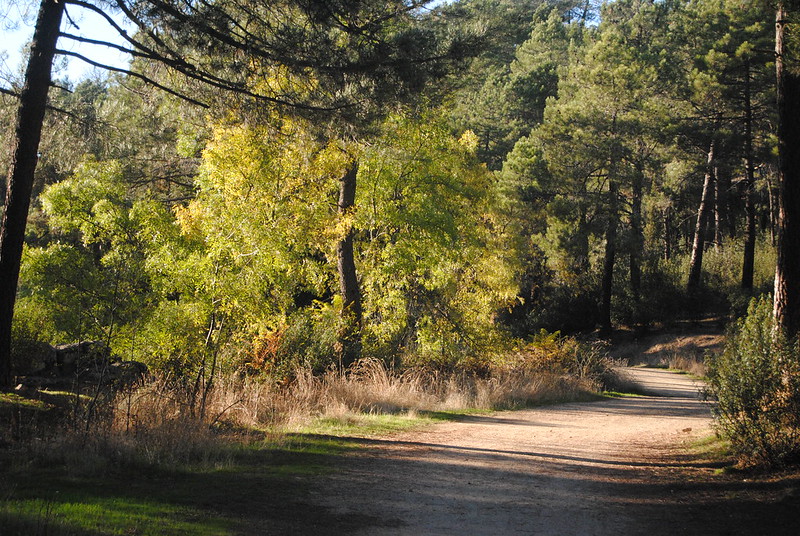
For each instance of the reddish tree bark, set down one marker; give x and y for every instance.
(787, 273)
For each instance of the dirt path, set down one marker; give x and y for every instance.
(573, 469)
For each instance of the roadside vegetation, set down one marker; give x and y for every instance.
(144, 458)
(755, 383)
(290, 221)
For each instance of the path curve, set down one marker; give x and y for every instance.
(570, 469)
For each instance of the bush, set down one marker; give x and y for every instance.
(306, 341)
(756, 383)
(30, 335)
(552, 353)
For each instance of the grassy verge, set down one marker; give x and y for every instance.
(714, 450)
(260, 486)
(147, 463)
(263, 485)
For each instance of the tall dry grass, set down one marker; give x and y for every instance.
(164, 423)
(372, 387)
(691, 363)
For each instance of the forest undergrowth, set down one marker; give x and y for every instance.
(149, 442)
(166, 423)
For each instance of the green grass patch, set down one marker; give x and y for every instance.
(365, 425)
(49, 502)
(617, 394)
(368, 425)
(77, 513)
(714, 449)
(688, 374)
(259, 489)
(13, 400)
(454, 415)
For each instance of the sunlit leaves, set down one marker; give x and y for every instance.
(93, 271)
(431, 276)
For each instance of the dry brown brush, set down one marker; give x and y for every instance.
(163, 422)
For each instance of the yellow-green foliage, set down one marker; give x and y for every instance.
(265, 216)
(433, 270)
(554, 353)
(90, 278)
(246, 270)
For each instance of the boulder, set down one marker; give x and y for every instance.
(84, 362)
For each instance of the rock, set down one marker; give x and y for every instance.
(80, 355)
(87, 362)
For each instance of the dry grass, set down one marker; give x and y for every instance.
(372, 388)
(691, 363)
(679, 351)
(162, 424)
(658, 344)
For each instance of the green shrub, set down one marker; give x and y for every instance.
(171, 339)
(756, 384)
(556, 354)
(31, 334)
(306, 341)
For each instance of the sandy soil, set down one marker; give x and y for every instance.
(608, 467)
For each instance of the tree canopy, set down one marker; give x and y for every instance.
(284, 184)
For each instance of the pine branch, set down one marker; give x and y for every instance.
(134, 74)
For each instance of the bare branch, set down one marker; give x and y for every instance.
(88, 41)
(16, 95)
(135, 75)
(121, 31)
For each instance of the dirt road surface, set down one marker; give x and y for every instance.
(599, 468)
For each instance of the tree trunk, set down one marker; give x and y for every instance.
(607, 288)
(729, 220)
(719, 209)
(773, 211)
(787, 273)
(667, 213)
(27, 134)
(748, 262)
(350, 335)
(637, 236)
(696, 264)
(582, 263)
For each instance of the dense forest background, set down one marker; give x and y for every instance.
(482, 171)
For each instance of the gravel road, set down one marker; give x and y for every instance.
(573, 469)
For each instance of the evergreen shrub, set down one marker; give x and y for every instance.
(756, 385)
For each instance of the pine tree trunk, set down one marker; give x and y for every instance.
(350, 335)
(607, 287)
(27, 134)
(719, 210)
(637, 236)
(787, 273)
(698, 245)
(729, 221)
(667, 233)
(582, 263)
(748, 262)
(773, 212)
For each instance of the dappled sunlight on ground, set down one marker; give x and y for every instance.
(611, 467)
